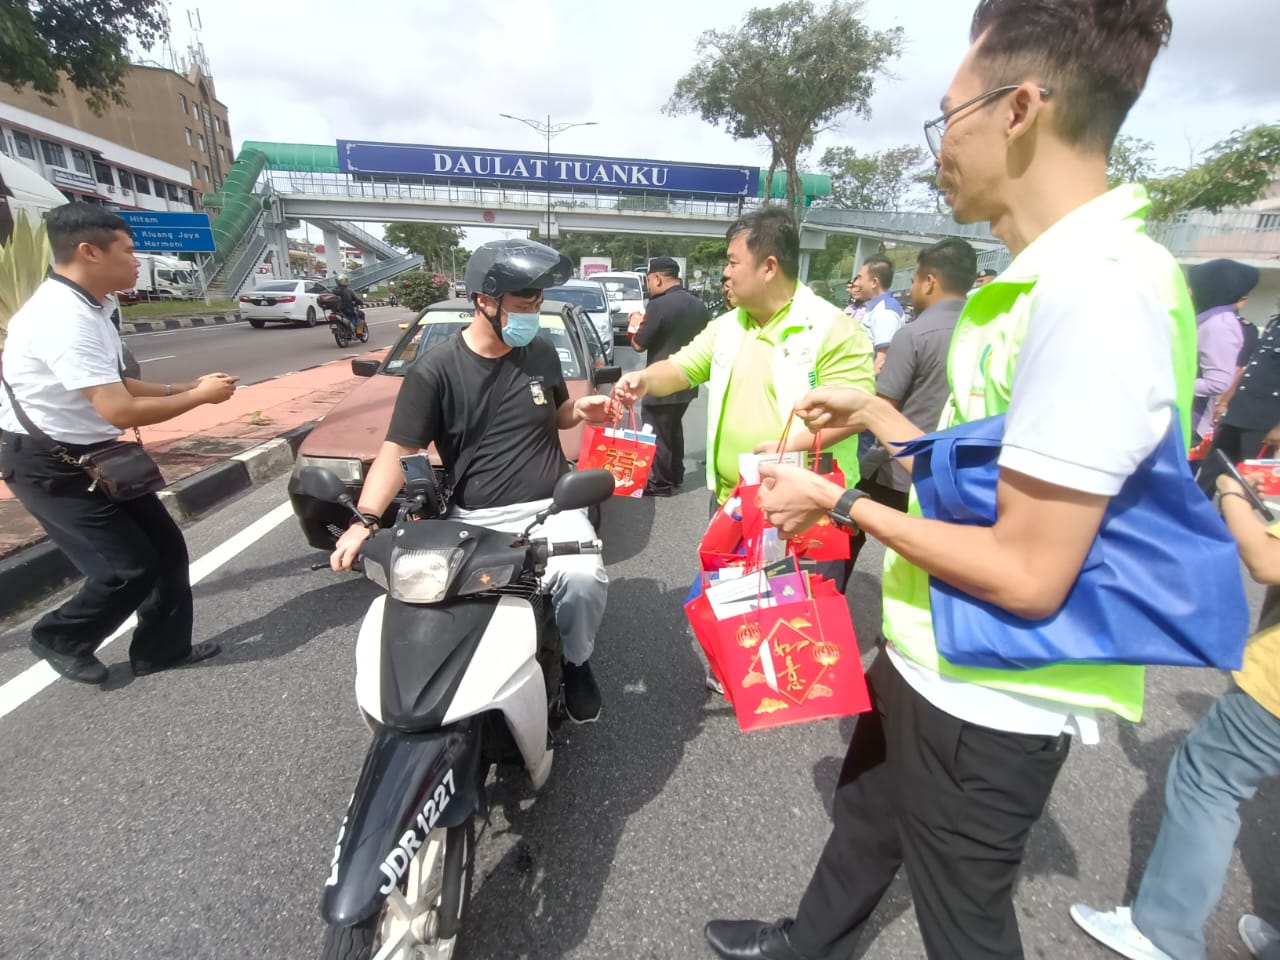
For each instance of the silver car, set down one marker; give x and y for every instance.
(588, 296)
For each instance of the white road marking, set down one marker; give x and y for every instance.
(172, 356)
(31, 681)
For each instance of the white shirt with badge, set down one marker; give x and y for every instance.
(60, 343)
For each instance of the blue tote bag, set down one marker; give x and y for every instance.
(1160, 585)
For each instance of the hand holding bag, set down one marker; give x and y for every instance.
(1161, 583)
(122, 470)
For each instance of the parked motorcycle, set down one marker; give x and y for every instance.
(458, 667)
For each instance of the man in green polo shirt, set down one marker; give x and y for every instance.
(952, 767)
(759, 359)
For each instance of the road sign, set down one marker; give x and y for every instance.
(170, 232)
(541, 169)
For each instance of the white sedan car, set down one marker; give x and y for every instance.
(283, 301)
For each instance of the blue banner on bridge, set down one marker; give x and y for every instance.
(538, 169)
(170, 232)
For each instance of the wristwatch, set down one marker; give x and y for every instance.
(841, 513)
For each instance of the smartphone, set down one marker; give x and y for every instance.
(1263, 510)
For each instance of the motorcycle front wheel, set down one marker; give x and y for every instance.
(426, 923)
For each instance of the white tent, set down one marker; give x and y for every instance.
(28, 191)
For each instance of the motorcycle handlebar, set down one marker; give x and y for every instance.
(570, 547)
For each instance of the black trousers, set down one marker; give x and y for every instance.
(132, 555)
(1237, 443)
(951, 801)
(667, 420)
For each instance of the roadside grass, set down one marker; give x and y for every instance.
(175, 308)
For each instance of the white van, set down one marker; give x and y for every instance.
(627, 293)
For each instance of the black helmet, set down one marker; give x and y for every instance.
(507, 266)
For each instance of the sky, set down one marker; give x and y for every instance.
(441, 72)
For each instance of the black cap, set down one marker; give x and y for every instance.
(665, 265)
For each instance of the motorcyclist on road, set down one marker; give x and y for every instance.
(348, 304)
(495, 397)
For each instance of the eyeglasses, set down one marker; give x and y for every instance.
(935, 130)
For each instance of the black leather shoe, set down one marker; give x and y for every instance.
(751, 940)
(658, 491)
(199, 651)
(85, 669)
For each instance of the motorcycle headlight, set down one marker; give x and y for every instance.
(423, 576)
(348, 471)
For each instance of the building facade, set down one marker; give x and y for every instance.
(169, 145)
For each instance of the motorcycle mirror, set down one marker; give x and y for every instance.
(322, 484)
(583, 488)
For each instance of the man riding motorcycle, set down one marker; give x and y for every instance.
(493, 399)
(349, 304)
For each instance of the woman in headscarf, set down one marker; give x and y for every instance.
(1216, 288)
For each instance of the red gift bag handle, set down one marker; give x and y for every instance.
(817, 442)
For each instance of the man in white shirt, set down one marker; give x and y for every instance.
(880, 313)
(953, 766)
(63, 377)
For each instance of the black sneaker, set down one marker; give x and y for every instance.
(198, 653)
(581, 695)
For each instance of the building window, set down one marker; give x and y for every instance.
(183, 101)
(200, 140)
(80, 160)
(217, 124)
(4, 144)
(195, 110)
(126, 179)
(188, 198)
(195, 170)
(22, 144)
(207, 177)
(141, 184)
(159, 187)
(171, 191)
(103, 173)
(53, 153)
(188, 136)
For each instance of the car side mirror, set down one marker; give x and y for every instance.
(582, 488)
(603, 375)
(364, 367)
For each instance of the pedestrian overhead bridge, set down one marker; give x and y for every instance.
(272, 187)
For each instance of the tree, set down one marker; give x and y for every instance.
(420, 288)
(85, 40)
(1234, 173)
(786, 74)
(1131, 161)
(435, 242)
(875, 181)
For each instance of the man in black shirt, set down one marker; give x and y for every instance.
(493, 401)
(673, 318)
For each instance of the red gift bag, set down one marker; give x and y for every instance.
(627, 454)
(787, 664)
(1266, 469)
(824, 540)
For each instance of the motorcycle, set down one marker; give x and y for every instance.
(458, 668)
(391, 299)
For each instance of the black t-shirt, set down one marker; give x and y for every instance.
(672, 319)
(446, 399)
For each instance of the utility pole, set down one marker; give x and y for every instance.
(550, 130)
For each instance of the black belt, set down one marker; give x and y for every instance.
(17, 440)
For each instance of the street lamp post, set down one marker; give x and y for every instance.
(549, 130)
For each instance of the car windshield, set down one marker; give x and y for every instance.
(277, 285)
(584, 298)
(439, 326)
(622, 288)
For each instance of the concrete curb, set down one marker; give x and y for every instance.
(31, 574)
(178, 323)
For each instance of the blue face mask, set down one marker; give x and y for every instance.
(521, 328)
